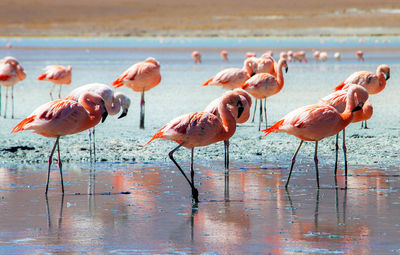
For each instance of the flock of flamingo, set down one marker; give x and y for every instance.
(260, 78)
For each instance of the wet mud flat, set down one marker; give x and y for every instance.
(146, 208)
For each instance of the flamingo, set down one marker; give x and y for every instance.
(338, 100)
(315, 122)
(373, 83)
(197, 57)
(224, 55)
(56, 74)
(323, 56)
(246, 101)
(11, 72)
(283, 55)
(198, 129)
(64, 117)
(300, 56)
(360, 55)
(316, 54)
(263, 85)
(113, 103)
(250, 54)
(140, 77)
(337, 56)
(232, 78)
(290, 55)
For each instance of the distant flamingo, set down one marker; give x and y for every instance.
(64, 117)
(113, 103)
(246, 102)
(11, 72)
(338, 100)
(360, 55)
(233, 77)
(290, 55)
(268, 53)
(56, 74)
(140, 77)
(300, 56)
(198, 129)
(373, 83)
(197, 57)
(316, 54)
(250, 54)
(263, 85)
(337, 56)
(224, 55)
(315, 122)
(323, 56)
(283, 55)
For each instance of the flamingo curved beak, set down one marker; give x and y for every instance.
(105, 113)
(123, 114)
(286, 69)
(358, 107)
(388, 76)
(240, 108)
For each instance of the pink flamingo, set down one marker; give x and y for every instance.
(64, 117)
(197, 57)
(316, 54)
(323, 56)
(290, 55)
(246, 102)
(56, 74)
(263, 85)
(283, 55)
(198, 129)
(224, 55)
(337, 56)
(300, 56)
(11, 72)
(232, 78)
(140, 77)
(113, 103)
(360, 55)
(338, 100)
(250, 54)
(315, 122)
(373, 83)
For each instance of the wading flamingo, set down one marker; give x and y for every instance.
(315, 122)
(373, 83)
(337, 56)
(316, 54)
(263, 85)
(250, 54)
(196, 56)
(360, 55)
(140, 77)
(224, 55)
(11, 72)
(113, 103)
(198, 129)
(232, 78)
(56, 74)
(246, 102)
(64, 117)
(323, 56)
(338, 100)
(300, 56)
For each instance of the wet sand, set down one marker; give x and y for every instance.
(145, 208)
(199, 18)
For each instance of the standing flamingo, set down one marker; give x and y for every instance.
(250, 54)
(224, 55)
(337, 56)
(360, 55)
(64, 117)
(56, 74)
(11, 72)
(246, 102)
(323, 56)
(197, 57)
(140, 77)
(113, 103)
(316, 54)
(232, 78)
(373, 83)
(263, 85)
(300, 56)
(338, 100)
(315, 122)
(198, 129)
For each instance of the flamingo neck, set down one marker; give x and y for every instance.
(115, 107)
(382, 79)
(228, 120)
(279, 75)
(88, 102)
(347, 115)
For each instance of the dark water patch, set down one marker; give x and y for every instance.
(16, 148)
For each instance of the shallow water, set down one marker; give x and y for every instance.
(146, 208)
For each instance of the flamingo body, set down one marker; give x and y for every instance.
(57, 74)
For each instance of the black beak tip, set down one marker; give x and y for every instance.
(286, 69)
(104, 117)
(123, 114)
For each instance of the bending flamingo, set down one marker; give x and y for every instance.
(196, 56)
(64, 117)
(264, 85)
(372, 82)
(201, 129)
(140, 77)
(360, 55)
(338, 100)
(246, 102)
(315, 122)
(224, 55)
(113, 103)
(56, 74)
(11, 72)
(232, 78)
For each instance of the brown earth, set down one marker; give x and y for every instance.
(201, 17)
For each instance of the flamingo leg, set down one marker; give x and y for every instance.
(293, 161)
(5, 106)
(0, 98)
(195, 193)
(60, 167)
(50, 161)
(59, 92)
(142, 110)
(254, 113)
(226, 145)
(261, 118)
(94, 144)
(316, 163)
(345, 153)
(90, 143)
(265, 112)
(51, 91)
(365, 125)
(336, 153)
(12, 102)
